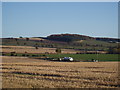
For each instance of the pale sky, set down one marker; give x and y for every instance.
(36, 19)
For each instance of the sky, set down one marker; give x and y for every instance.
(41, 19)
(0, 19)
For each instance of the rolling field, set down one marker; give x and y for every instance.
(19, 50)
(30, 49)
(89, 57)
(80, 44)
(23, 72)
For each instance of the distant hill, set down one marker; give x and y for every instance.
(65, 41)
(114, 40)
(68, 37)
(77, 37)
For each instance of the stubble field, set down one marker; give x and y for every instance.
(23, 72)
(23, 49)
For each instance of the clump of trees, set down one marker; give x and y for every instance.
(36, 46)
(13, 54)
(114, 50)
(27, 39)
(20, 37)
(58, 50)
(68, 37)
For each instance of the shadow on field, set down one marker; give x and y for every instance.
(29, 73)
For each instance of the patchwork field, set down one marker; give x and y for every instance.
(51, 52)
(23, 72)
(30, 49)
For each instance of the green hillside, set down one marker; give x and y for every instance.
(67, 41)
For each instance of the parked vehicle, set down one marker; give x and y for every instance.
(68, 59)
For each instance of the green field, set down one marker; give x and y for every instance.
(76, 57)
(89, 57)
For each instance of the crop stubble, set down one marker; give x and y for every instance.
(23, 49)
(23, 72)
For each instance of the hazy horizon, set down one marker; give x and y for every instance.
(59, 33)
(41, 19)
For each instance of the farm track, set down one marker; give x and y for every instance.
(22, 72)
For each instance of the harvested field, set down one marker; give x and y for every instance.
(29, 49)
(23, 72)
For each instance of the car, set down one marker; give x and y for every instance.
(68, 59)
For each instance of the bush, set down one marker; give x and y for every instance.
(33, 55)
(12, 54)
(44, 55)
(58, 50)
(23, 54)
(113, 50)
(27, 55)
(3, 54)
